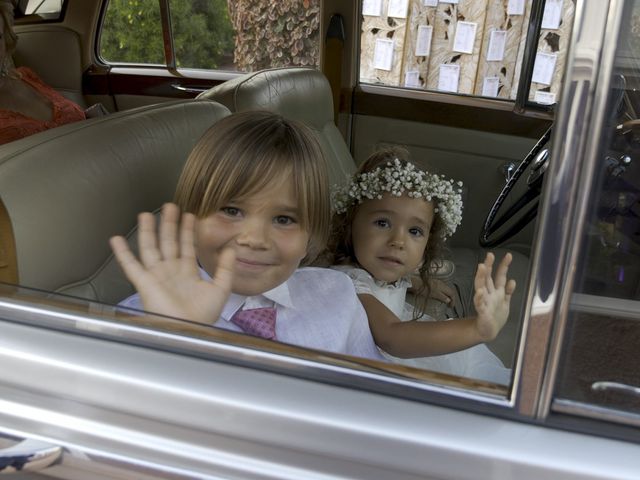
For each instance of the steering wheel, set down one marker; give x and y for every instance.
(538, 157)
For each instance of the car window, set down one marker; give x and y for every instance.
(464, 47)
(38, 10)
(599, 365)
(203, 35)
(232, 35)
(132, 35)
(36, 7)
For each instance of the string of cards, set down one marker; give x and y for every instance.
(456, 34)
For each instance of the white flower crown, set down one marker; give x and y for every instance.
(396, 179)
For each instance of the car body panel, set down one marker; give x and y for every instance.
(129, 401)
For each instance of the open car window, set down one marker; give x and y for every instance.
(467, 48)
(229, 36)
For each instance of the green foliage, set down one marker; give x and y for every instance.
(202, 32)
(132, 32)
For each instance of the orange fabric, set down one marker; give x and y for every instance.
(14, 125)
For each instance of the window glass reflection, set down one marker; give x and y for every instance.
(599, 365)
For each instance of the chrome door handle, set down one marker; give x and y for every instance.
(615, 387)
(28, 455)
(189, 89)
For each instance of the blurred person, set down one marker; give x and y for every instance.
(27, 104)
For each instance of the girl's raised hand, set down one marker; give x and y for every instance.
(166, 276)
(492, 298)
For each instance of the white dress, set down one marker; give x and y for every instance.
(477, 362)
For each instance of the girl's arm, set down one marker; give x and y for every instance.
(423, 339)
(416, 338)
(167, 276)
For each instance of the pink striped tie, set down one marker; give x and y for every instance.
(259, 322)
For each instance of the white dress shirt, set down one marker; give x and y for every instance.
(316, 308)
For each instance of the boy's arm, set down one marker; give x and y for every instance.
(415, 338)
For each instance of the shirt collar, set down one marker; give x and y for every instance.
(403, 282)
(279, 295)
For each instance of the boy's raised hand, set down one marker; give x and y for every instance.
(166, 276)
(492, 298)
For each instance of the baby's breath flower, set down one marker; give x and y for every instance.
(396, 179)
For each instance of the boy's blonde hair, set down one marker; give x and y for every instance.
(243, 154)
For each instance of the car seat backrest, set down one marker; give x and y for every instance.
(55, 54)
(67, 190)
(296, 93)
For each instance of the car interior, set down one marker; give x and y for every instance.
(549, 172)
(89, 167)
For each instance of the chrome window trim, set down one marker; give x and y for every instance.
(157, 70)
(167, 35)
(343, 372)
(591, 151)
(596, 412)
(563, 205)
(606, 306)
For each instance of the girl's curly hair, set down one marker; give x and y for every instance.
(340, 246)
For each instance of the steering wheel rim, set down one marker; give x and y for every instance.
(492, 223)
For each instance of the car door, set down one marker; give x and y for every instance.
(127, 400)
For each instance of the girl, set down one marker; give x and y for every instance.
(255, 195)
(390, 222)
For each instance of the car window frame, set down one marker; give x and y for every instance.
(583, 109)
(532, 394)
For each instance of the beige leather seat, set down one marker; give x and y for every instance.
(304, 94)
(55, 54)
(297, 93)
(66, 191)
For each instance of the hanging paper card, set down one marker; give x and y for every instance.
(515, 7)
(398, 8)
(545, 98)
(383, 54)
(423, 43)
(449, 78)
(430, 3)
(412, 79)
(552, 14)
(372, 8)
(465, 37)
(497, 42)
(544, 67)
(490, 87)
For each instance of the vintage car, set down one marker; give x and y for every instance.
(531, 104)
